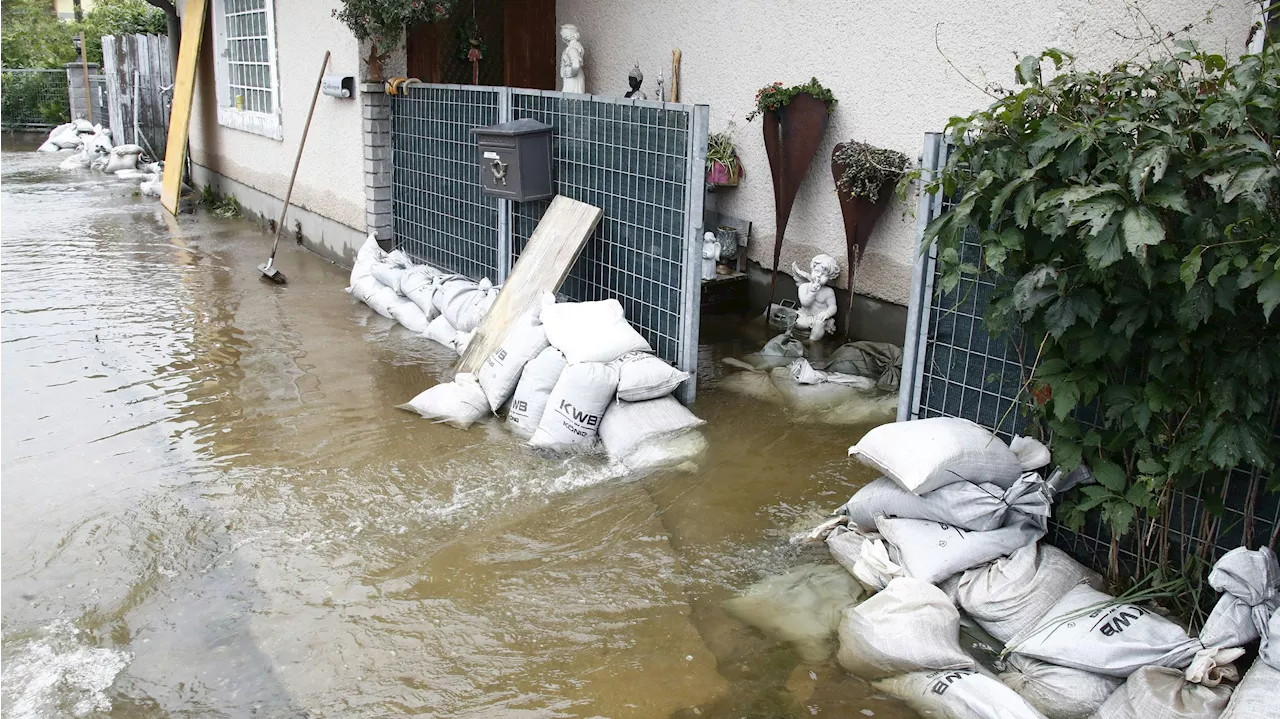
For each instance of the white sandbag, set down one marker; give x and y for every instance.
(810, 399)
(804, 373)
(66, 140)
(802, 607)
(1258, 694)
(151, 188)
(462, 341)
(933, 551)
(977, 507)
(627, 426)
(1163, 693)
(368, 254)
(83, 126)
(129, 149)
(365, 288)
(591, 331)
(134, 175)
(115, 162)
(777, 352)
(957, 694)
(383, 300)
(752, 384)
(409, 315)
(100, 163)
(1058, 692)
(500, 372)
(419, 285)
(466, 304)
(534, 389)
(867, 409)
(388, 274)
(1012, 593)
(679, 451)
(572, 417)
(910, 626)
(48, 146)
(1090, 630)
(642, 376)
(77, 161)
(1250, 584)
(926, 454)
(1269, 651)
(100, 141)
(441, 332)
(460, 403)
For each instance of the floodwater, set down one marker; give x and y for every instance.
(212, 508)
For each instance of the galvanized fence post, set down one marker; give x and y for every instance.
(691, 282)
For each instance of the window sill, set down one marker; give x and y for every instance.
(256, 123)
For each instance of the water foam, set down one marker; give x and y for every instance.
(58, 673)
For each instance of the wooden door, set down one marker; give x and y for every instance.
(530, 43)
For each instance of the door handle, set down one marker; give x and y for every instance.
(499, 170)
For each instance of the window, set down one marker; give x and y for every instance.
(247, 76)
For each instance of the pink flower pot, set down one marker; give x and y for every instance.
(720, 176)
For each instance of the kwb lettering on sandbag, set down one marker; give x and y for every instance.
(579, 400)
(581, 423)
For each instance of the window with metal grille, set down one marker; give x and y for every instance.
(247, 77)
(248, 59)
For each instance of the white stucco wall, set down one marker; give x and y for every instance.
(881, 61)
(331, 177)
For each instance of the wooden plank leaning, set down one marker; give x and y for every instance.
(183, 94)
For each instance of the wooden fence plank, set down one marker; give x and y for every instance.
(184, 89)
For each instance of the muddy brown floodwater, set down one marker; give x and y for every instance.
(212, 508)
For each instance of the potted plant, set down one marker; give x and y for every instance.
(724, 168)
(382, 23)
(863, 174)
(795, 119)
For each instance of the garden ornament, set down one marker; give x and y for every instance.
(572, 71)
(635, 80)
(817, 301)
(710, 255)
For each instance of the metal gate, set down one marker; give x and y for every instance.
(640, 161)
(953, 368)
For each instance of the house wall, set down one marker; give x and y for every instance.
(896, 68)
(330, 185)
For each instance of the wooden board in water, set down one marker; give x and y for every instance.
(542, 267)
(184, 88)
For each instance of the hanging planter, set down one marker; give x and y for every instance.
(795, 119)
(863, 175)
(724, 169)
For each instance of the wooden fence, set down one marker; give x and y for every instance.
(139, 88)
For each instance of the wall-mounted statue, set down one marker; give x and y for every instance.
(635, 80)
(817, 301)
(572, 70)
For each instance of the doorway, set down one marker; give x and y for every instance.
(515, 41)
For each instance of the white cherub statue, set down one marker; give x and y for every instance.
(817, 301)
(571, 61)
(711, 255)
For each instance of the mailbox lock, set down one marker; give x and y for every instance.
(499, 169)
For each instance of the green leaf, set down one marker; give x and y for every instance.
(1141, 229)
(1220, 269)
(1246, 180)
(1065, 398)
(1148, 465)
(1269, 294)
(1023, 205)
(1148, 169)
(1109, 474)
(1096, 212)
(1190, 270)
(1028, 70)
(1119, 515)
(997, 203)
(1105, 248)
(1170, 198)
(994, 255)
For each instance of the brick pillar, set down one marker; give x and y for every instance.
(377, 159)
(76, 94)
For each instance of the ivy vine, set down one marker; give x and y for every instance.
(1132, 217)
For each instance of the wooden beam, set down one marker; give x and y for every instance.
(184, 87)
(542, 267)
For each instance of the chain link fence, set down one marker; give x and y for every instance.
(33, 99)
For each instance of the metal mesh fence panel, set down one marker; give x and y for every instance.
(954, 368)
(642, 163)
(33, 98)
(440, 216)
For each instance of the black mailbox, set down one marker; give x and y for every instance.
(515, 160)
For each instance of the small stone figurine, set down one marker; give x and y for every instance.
(635, 80)
(817, 301)
(661, 93)
(711, 255)
(572, 73)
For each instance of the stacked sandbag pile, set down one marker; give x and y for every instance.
(92, 149)
(955, 523)
(856, 384)
(572, 376)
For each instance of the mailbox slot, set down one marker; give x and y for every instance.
(514, 160)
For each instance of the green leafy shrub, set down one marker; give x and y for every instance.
(32, 36)
(120, 17)
(1133, 219)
